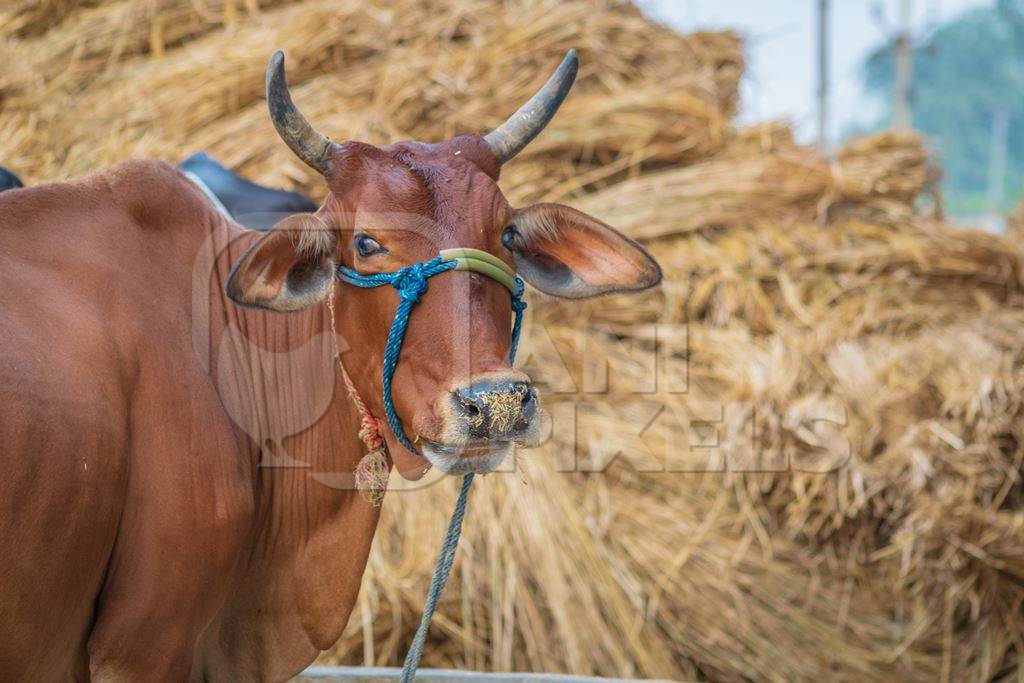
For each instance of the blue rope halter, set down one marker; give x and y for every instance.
(411, 283)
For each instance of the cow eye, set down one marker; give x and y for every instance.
(367, 246)
(508, 237)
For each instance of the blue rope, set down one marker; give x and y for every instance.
(518, 306)
(411, 284)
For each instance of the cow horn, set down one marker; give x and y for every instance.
(508, 139)
(309, 145)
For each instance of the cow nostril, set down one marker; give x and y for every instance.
(491, 409)
(468, 403)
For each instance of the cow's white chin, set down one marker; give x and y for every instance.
(455, 460)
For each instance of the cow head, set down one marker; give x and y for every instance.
(389, 207)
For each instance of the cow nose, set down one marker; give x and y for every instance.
(494, 409)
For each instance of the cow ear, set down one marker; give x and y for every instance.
(566, 253)
(289, 268)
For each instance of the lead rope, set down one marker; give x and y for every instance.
(411, 284)
(372, 437)
(442, 568)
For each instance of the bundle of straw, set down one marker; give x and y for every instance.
(88, 42)
(891, 167)
(1015, 221)
(892, 342)
(32, 17)
(379, 71)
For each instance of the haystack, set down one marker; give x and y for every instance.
(1015, 221)
(837, 493)
(377, 71)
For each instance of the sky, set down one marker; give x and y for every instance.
(781, 39)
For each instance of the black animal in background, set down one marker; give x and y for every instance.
(252, 205)
(9, 181)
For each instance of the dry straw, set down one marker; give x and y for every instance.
(378, 71)
(845, 500)
(1015, 221)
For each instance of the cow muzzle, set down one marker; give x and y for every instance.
(495, 410)
(483, 420)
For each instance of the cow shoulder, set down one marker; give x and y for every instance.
(158, 196)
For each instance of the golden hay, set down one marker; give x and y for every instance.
(380, 71)
(905, 331)
(763, 176)
(844, 492)
(88, 42)
(1015, 221)
(32, 17)
(892, 165)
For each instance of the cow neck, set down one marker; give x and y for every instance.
(312, 531)
(371, 475)
(278, 379)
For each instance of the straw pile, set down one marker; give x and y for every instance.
(844, 495)
(1015, 221)
(377, 71)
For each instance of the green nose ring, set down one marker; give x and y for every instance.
(483, 263)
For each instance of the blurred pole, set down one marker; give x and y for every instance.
(823, 74)
(901, 106)
(997, 159)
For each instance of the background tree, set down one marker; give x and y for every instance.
(968, 98)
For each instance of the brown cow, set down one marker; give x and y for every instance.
(163, 504)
